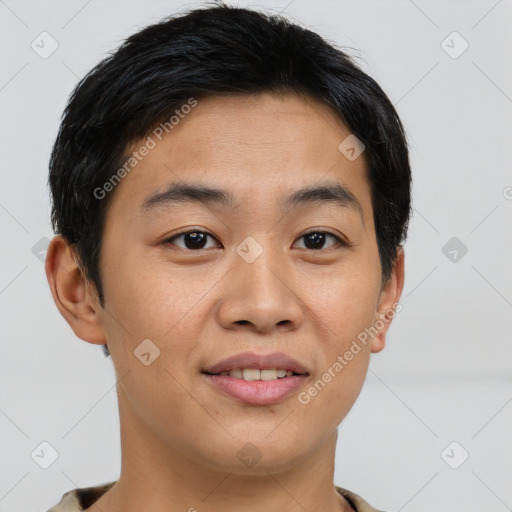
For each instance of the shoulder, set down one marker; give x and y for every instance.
(81, 498)
(358, 504)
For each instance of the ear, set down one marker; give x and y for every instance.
(74, 296)
(388, 303)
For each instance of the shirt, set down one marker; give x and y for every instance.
(82, 498)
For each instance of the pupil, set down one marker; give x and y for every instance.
(195, 240)
(317, 240)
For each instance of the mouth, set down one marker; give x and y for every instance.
(255, 366)
(257, 379)
(252, 374)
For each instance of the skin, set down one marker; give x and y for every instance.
(179, 435)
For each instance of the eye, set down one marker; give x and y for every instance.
(196, 240)
(315, 240)
(192, 240)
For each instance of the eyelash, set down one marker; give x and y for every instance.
(339, 241)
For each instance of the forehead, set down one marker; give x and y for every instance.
(259, 147)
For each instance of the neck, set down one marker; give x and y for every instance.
(160, 477)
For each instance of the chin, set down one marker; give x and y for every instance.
(253, 454)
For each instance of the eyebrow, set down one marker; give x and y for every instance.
(330, 192)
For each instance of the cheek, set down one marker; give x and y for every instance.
(332, 395)
(346, 302)
(147, 304)
(346, 310)
(155, 303)
(344, 353)
(146, 296)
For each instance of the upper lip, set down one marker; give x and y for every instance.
(277, 360)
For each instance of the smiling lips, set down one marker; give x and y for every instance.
(257, 379)
(250, 360)
(257, 374)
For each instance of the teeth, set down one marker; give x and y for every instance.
(251, 374)
(255, 374)
(268, 374)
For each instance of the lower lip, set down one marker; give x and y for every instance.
(257, 392)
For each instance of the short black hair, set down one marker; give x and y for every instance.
(216, 49)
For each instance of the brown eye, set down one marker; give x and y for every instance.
(191, 240)
(195, 240)
(315, 240)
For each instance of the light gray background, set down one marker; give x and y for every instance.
(446, 372)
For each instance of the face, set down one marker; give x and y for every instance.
(267, 270)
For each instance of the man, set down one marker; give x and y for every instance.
(230, 197)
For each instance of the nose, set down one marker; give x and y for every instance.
(260, 297)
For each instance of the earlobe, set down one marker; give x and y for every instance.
(389, 302)
(72, 293)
